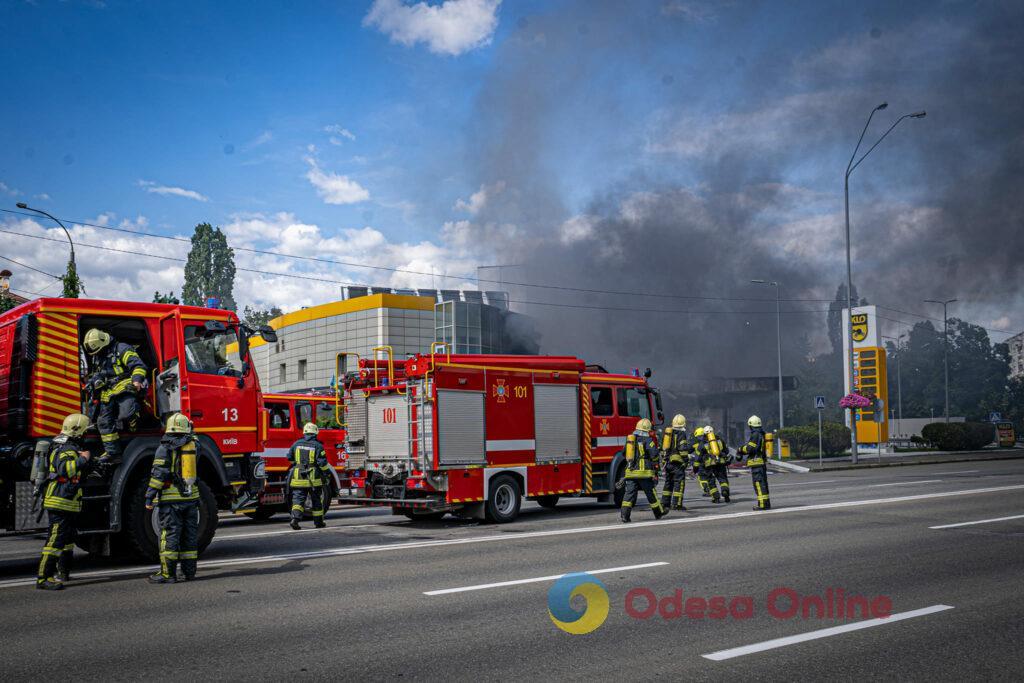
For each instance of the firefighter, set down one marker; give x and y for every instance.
(675, 448)
(754, 450)
(720, 466)
(63, 501)
(707, 455)
(118, 374)
(173, 485)
(696, 458)
(641, 470)
(307, 476)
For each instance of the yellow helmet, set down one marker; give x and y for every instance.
(699, 431)
(75, 425)
(643, 425)
(178, 424)
(310, 428)
(95, 341)
(754, 421)
(679, 421)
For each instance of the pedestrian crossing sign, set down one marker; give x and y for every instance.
(819, 402)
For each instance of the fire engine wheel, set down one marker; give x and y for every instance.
(504, 499)
(547, 501)
(142, 526)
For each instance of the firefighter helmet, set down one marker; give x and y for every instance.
(178, 424)
(95, 341)
(75, 425)
(699, 431)
(754, 421)
(679, 421)
(643, 425)
(709, 431)
(310, 428)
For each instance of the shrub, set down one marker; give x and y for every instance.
(800, 439)
(835, 438)
(958, 436)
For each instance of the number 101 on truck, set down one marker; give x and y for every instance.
(475, 435)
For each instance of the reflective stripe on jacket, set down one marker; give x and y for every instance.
(309, 463)
(754, 449)
(165, 477)
(122, 365)
(645, 458)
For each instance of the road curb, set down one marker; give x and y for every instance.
(930, 461)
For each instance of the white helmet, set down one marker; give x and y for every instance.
(754, 421)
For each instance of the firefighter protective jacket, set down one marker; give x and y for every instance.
(754, 448)
(645, 457)
(309, 463)
(63, 488)
(166, 479)
(117, 367)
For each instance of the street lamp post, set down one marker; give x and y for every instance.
(849, 270)
(899, 380)
(778, 339)
(945, 344)
(26, 207)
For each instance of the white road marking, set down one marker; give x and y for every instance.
(280, 532)
(822, 633)
(806, 483)
(957, 472)
(906, 483)
(540, 579)
(980, 521)
(504, 538)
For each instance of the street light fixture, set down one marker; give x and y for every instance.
(899, 377)
(945, 344)
(778, 339)
(849, 270)
(26, 207)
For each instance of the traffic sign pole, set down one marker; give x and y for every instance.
(819, 437)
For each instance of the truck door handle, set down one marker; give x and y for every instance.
(196, 414)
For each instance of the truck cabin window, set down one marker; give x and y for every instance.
(280, 415)
(633, 403)
(601, 398)
(212, 353)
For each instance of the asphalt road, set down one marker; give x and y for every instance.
(360, 599)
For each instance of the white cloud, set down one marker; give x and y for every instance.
(334, 188)
(479, 199)
(5, 189)
(260, 140)
(154, 188)
(337, 133)
(451, 28)
(43, 196)
(575, 229)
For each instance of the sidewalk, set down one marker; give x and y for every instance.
(869, 460)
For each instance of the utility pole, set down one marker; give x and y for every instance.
(849, 270)
(72, 267)
(945, 343)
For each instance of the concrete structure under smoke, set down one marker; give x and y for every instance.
(407, 320)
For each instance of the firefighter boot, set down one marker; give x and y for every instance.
(319, 523)
(169, 577)
(50, 584)
(294, 524)
(625, 512)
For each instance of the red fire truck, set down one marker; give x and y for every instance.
(286, 414)
(476, 434)
(199, 364)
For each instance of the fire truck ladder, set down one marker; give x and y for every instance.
(421, 430)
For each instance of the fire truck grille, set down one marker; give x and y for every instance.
(389, 491)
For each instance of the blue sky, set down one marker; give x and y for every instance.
(438, 136)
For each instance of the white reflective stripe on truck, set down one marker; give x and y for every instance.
(497, 445)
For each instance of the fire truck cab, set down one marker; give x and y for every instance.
(476, 434)
(198, 364)
(286, 415)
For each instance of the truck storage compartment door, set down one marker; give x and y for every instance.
(460, 427)
(387, 437)
(557, 422)
(355, 435)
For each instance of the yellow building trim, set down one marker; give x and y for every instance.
(403, 302)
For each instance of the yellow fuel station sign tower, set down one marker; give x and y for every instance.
(869, 375)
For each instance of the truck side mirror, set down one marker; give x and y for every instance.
(268, 333)
(214, 326)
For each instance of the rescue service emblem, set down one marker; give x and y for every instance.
(500, 391)
(605, 427)
(860, 327)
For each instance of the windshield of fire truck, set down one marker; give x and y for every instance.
(212, 353)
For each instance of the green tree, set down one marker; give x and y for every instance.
(210, 269)
(255, 317)
(72, 283)
(6, 302)
(167, 298)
